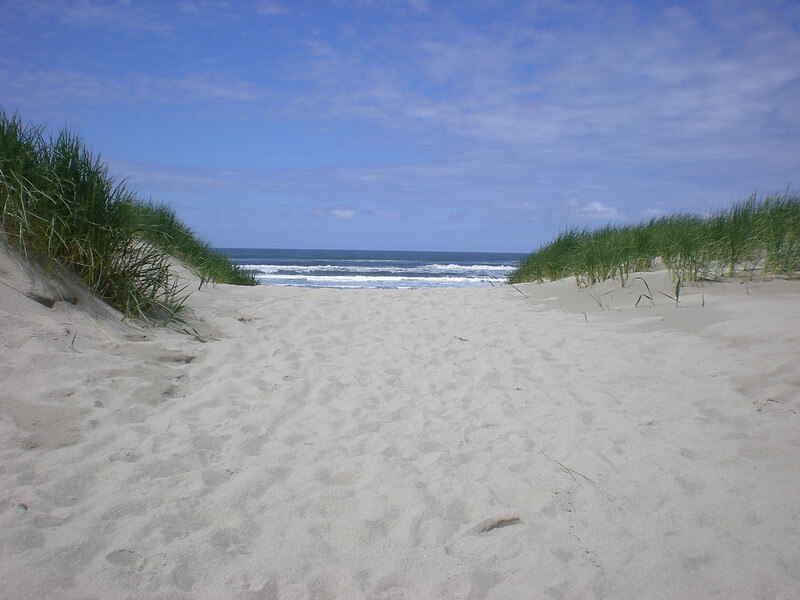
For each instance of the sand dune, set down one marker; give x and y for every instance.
(528, 442)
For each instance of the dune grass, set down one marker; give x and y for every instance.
(59, 206)
(753, 235)
(159, 225)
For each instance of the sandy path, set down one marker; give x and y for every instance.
(406, 444)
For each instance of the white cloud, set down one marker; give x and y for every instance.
(339, 214)
(593, 210)
(600, 210)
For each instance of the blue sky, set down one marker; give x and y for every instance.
(416, 124)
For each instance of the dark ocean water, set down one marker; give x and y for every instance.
(375, 269)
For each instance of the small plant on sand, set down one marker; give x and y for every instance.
(676, 298)
(648, 295)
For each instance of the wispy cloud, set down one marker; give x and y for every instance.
(116, 14)
(37, 89)
(516, 112)
(208, 85)
(270, 8)
(668, 83)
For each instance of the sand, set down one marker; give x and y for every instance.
(536, 441)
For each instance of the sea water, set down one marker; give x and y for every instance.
(375, 269)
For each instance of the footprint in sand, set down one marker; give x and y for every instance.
(475, 540)
(493, 524)
(127, 559)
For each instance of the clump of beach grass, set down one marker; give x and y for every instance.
(60, 207)
(758, 234)
(159, 225)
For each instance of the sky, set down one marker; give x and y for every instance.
(472, 125)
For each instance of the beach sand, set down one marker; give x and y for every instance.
(536, 441)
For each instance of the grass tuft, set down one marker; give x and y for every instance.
(756, 234)
(160, 225)
(59, 206)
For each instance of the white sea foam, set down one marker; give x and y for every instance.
(432, 268)
(373, 281)
(354, 269)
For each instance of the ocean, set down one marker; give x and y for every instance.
(375, 269)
